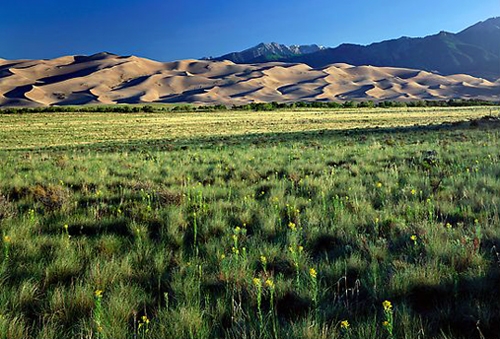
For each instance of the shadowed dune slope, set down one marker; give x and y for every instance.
(107, 78)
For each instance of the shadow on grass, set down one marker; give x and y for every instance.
(331, 247)
(459, 307)
(117, 227)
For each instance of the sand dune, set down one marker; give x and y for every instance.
(107, 78)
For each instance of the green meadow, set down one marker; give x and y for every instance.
(353, 223)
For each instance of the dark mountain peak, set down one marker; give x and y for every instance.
(495, 21)
(348, 45)
(485, 34)
(490, 25)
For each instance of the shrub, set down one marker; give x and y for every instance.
(52, 198)
(6, 208)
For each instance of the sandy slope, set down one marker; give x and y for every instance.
(107, 78)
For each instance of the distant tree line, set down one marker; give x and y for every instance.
(83, 109)
(272, 106)
(261, 106)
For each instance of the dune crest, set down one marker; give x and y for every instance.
(107, 78)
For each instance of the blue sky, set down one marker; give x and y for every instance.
(169, 30)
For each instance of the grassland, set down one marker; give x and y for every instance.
(312, 224)
(70, 129)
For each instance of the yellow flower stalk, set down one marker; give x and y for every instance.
(388, 323)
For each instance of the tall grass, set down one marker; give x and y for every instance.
(366, 234)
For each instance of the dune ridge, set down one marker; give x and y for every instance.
(106, 78)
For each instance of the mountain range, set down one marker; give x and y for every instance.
(265, 52)
(474, 51)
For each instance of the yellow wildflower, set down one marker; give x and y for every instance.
(7, 239)
(385, 323)
(263, 260)
(98, 293)
(413, 237)
(387, 305)
(345, 324)
(313, 273)
(270, 283)
(257, 282)
(292, 226)
(379, 184)
(413, 192)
